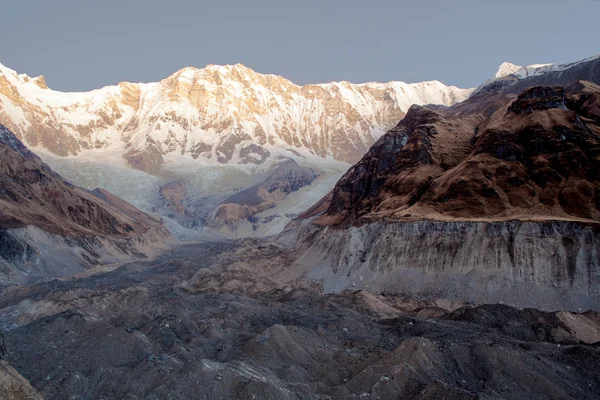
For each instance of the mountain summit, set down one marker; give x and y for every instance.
(521, 71)
(220, 114)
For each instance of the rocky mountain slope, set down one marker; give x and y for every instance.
(12, 385)
(495, 199)
(38, 207)
(223, 114)
(218, 321)
(242, 206)
(33, 194)
(536, 157)
(514, 79)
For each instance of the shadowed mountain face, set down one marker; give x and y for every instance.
(536, 156)
(50, 228)
(32, 194)
(496, 199)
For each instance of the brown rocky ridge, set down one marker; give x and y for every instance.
(496, 199)
(51, 228)
(32, 194)
(533, 157)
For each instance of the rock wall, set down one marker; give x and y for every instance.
(547, 265)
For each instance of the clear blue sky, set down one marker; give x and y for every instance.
(86, 44)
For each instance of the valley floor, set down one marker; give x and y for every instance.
(210, 321)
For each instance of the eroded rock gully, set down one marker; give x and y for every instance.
(542, 264)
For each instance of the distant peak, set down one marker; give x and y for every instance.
(507, 68)
(227, 66)
(211, 69)
(189, 68)
(186, 72)
(520, 71)
(40, 81)
(536, 69)
(5, 70)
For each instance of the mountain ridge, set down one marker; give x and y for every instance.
(514, 164)
(223, 114)
(51, 228)
(496, 199)
(524, 71)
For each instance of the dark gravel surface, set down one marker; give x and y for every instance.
(193, 324)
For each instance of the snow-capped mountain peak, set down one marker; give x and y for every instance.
(506, 69)
(220, 114)
(521, 72)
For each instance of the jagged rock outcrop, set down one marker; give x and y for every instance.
(173, 196)
(228, 114)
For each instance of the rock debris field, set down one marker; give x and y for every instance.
(209, 321)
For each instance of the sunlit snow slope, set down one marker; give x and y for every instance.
(220, 114)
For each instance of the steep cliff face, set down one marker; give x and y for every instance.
(491, 200)
(549, 265)
(49, 227)
(221, 114)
